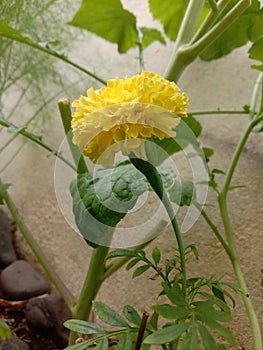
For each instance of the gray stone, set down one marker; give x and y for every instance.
(13, 344)
(20, 281)
(46, 315)
(7, 251)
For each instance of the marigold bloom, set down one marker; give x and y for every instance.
(121, 116)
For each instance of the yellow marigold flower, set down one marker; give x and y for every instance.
(121, 116)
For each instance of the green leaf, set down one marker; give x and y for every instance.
(153, 321)
(175, 294)
(207, 339)
(125, 342)
(172, 312)
(121, 252)
(256, 53)
(83, 327)
(132, 263)
(150, 35)
(103, 344)
(102, 199)
(209, 317)
(140, 270)
(190, 342)
(5, 331)
(170, 13)
(132, 315)
(3, 189)
(109, 20)
(182, 193)
(167, 334)
(208, 152)
(248, 27)
(156, 255)
(108, 315)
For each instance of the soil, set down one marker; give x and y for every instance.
(17, 322)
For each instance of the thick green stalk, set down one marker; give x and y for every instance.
(93, 281)
(186, 53)
(185, 34)
(66, 116)
(52, 275)
(210, 19)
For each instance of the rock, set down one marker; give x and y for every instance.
(20, 281)
(13, 344)
(7, 251)
(46, 315)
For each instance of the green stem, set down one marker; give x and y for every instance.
(213, 5)
(257, 87)
(187, 53)
(237, 154)
(36, 139)
(154, 179)
(28, 42)
(217, 112)
(210, 19)
(90, 288)
(214, 229)
(122, 261)
(251, 313)
(52, 275)
(185, 34)
(222, 199)
(66, 116)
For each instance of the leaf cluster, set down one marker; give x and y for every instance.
(102, 199)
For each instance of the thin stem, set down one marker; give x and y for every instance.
(52, 275)
(217, 112)
(178, 235)
(214, 229)
(141, 60)
(28, 42)
(257, 87)
(35, 139)
(122, 261)
(142, 328)
(254, 323)
(237, 154)
(90, 288)
(154, 179)
(65, 113)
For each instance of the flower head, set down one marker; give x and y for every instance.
(122, 115)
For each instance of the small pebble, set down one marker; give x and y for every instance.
(20, 281)
(46, 315)
(13, 344)
(7, 251)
